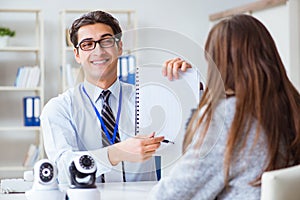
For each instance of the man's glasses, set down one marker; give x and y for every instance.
(88, 45)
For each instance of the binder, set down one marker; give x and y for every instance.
(17, 81)
(131, 69)
(126, 69)
(32, 105)
(27, 77)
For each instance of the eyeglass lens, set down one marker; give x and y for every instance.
(87, 45)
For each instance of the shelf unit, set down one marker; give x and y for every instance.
(127, 20)
(26, 48)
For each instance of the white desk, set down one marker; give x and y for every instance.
(109, 191)
(125, 191)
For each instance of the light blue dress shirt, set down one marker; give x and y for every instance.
(71, 127)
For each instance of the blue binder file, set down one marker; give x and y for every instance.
(123, 68)
(131, 69)
(127, 69)
(31, 107)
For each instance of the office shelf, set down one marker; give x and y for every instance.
(17, 89)
(11, 97)
(20, 49)
(20, 128)
(14, 168)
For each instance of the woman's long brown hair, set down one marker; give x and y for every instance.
(242, 52)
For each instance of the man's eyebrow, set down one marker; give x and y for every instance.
(107, 34)
(102, 36)
(86, 39)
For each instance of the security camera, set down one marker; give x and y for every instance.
(44, 185)
(45, 174)
(83, 177)
(85, 164)
(83, 172)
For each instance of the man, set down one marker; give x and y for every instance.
(98, 115)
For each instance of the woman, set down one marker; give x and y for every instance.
(248, 120)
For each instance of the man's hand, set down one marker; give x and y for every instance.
(170, 68)
(136, 149)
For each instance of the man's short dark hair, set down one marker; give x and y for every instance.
(94, 17)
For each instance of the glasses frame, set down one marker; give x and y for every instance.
(99, 42)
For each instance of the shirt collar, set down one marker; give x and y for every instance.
(95, 91)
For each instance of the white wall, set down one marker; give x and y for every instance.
(189, 18)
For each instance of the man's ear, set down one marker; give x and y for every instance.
(76, 55)
(120, 48)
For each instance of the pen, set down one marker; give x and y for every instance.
(168, 141)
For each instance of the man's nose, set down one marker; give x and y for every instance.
(98, 48)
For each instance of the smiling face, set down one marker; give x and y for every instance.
(99, 64)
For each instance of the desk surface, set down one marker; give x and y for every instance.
(111, 191)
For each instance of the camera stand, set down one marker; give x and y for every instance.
(83, 193)
(45, 195)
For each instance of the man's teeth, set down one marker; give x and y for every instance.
(99, 62)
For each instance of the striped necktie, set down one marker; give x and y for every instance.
(110, 122)
(108, 118)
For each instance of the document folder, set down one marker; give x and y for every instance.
(31, 111)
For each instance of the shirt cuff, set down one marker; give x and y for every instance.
(102, 160)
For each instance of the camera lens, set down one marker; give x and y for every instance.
(86, 162)
(46, 172)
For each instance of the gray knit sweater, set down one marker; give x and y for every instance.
(199, 173)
